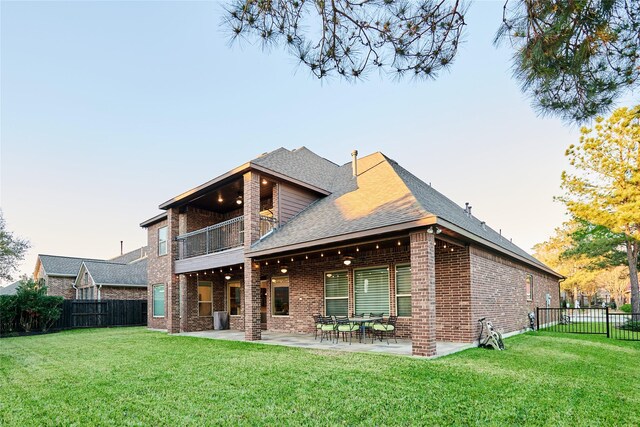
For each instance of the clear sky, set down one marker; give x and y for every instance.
(110, 108)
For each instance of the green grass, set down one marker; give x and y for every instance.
(131, 376)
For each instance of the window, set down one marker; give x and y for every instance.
(162, 240)
(336, 293)
(205, 299)
(403, 290)
(158, 300)
(529, 285)
(372, 290)
(280, 286)
(235, 301)
(86, 278)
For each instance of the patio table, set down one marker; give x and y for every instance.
(362, 321)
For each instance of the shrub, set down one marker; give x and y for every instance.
(626, 308)
(631, 325)
(32, 308)
(613, 305)
(8, 312)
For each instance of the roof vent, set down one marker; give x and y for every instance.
(484, 225)
(354, 162)
(467, 208)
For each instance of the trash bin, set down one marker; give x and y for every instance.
(220, 320)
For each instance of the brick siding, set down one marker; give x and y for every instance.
(498, 291)
(158, 272)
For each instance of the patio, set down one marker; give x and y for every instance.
(401, 348)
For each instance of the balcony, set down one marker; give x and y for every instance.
(220, 237)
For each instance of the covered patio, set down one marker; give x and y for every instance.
(401, 348)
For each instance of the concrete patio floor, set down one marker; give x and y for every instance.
(401, 348)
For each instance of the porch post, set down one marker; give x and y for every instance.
(423, 294)
(184, 297)
(252, 330)
(172, 292)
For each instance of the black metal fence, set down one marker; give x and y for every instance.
(600, 321)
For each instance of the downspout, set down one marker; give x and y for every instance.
(99, 291)
(74, 287)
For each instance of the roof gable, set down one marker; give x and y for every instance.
(118, 274)
(55, 265)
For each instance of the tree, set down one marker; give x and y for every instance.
(604, 187)
(574, 58)
(579, 269)
(604, 247)
(615, 281)
(12, 251)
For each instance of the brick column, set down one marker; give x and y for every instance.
(275, 196)
(184, 298)
(423, 294)
(173, 282)
(252, 330)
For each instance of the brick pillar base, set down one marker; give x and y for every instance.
(173, 309)
(423, 294)
(252, 329)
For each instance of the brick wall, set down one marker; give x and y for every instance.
(60, 286)
(453, 293)
(158, 272)
(121, 292)
(498, 291)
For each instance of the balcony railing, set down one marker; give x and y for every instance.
(218, 237)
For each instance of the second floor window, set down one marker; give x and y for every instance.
(163, 234)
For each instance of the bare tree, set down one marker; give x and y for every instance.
(12, 251)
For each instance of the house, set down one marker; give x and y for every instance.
(290, 234)
(125, 277)
(10, 289)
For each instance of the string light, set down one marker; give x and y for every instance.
(357, 249)
(377, 246)
(338, 251)
(306, 257)
(399, 243)
(321, 255)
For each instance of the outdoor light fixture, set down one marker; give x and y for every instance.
(239, 199)
(347, 260)
(227, 277)
(264, 181)
(433, 229)
(220, 199)
(283, 269)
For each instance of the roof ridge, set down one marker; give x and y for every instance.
(71, 257)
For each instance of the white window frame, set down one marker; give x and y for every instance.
(273, 295)
(396, 288)
(210, 284)
(334, 298)
(165, 241)
(372, 267)
(529, 286)
(234, 284)
(153, 287)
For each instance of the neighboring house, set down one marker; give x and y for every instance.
(290, 234)
(110, 280)
(10, 289)
(61, 273)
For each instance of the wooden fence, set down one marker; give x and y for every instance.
(96, 314)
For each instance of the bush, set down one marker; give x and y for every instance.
(613, 305)
(30, 307)
(8, 312)
(626, 308)
(631, 325)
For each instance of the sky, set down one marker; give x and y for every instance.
(108, 109)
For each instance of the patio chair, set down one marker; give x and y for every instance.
(368, 327)
(327, 327)
(317, 321)
(344, 326)
(388, 328)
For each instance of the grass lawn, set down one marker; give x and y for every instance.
(597, 328)
(131, 376)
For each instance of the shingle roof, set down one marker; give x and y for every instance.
(62, 265)
(111, 273)
(301, 164)
(130, 256)
(385, 194)
(10, 289)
